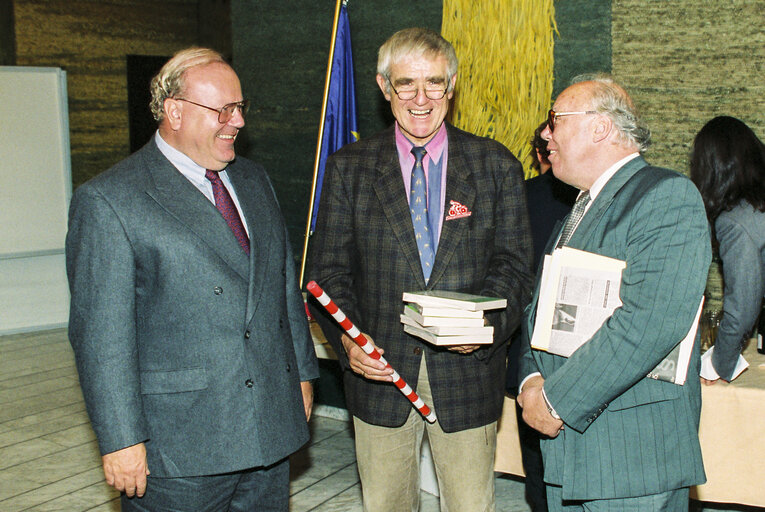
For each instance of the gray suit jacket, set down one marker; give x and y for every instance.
(364, 255)
(741, 234)
(627, 435)
(181, 340)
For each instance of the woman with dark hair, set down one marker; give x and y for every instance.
(728, 167)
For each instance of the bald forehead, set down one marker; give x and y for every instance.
(577, 95)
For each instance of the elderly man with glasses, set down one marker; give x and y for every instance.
(187, 323)
(422, 205)
(616, 439)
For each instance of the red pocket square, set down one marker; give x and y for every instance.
(457, 211)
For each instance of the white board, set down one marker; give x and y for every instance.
(35, 163)
(35, 188)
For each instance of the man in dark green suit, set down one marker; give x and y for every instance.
(617, 439)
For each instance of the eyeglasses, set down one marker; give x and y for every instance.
(553, 116)
(410, 91)
(226, 112)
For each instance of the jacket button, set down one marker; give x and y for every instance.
(289, 367)
(417, 351)
(247, 335)
(248, 383)
(218, 290)
(281, 324)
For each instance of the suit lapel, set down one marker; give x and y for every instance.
(606, 196)
(459, 188)
(251, 199)
(390, 191)
(173, 192)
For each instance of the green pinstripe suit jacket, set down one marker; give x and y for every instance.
(627, 435)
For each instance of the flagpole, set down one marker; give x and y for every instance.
(321, 136)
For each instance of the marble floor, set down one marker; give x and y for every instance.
(49, 460)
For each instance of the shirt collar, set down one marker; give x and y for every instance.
(190, 169)
(606, 176)
(434, 146)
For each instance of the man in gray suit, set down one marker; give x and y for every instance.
(186, 320)
(619, 440)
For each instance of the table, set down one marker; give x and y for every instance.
(732, 435)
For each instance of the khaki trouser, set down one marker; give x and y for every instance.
(389, 462)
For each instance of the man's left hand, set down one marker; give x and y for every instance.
(307, 388)
(463, 349)
(535, 412)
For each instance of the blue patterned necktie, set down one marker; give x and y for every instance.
(418, 205)
(227, 208)
(577, 212)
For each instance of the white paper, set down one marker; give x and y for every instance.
(708, 371)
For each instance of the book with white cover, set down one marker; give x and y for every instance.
(470, 339)
(442, 311)
(444, 321)
(441, 330)
(459, 300)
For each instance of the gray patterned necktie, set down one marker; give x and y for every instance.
(573, 219)
(418, 205)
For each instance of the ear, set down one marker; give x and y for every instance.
(382, 82)
(173, 113)
(452, 84)
(602, 129)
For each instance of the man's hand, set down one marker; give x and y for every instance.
(126, 470)
(307, 389)
(463, 349)
(708, 382)
(535, 412)
(364, 365)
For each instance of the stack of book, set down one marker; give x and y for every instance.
(449, 318)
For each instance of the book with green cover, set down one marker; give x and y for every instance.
(460, 300)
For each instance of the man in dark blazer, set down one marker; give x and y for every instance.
(365, 255)
(186, 320)
(617, 439)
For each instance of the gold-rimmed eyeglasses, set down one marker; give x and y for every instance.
(226, 112)
(553, 116)
(410, 91)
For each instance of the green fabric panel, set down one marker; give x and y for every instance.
(583, 44)
(280, 51)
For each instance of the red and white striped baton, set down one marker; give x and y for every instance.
(367, 347)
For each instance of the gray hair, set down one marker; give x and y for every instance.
(169, 82)
(611, 99)
(416, 42)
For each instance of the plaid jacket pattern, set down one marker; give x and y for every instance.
(364, 254)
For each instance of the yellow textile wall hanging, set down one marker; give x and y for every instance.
(505, 78)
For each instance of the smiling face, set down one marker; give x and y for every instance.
(195, 130)
(419, 118)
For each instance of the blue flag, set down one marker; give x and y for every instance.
(340, 123)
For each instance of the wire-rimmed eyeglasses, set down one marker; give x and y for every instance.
(410, 91)
(226, 112)
(553, 116)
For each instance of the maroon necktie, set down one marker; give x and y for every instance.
(227, 208)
